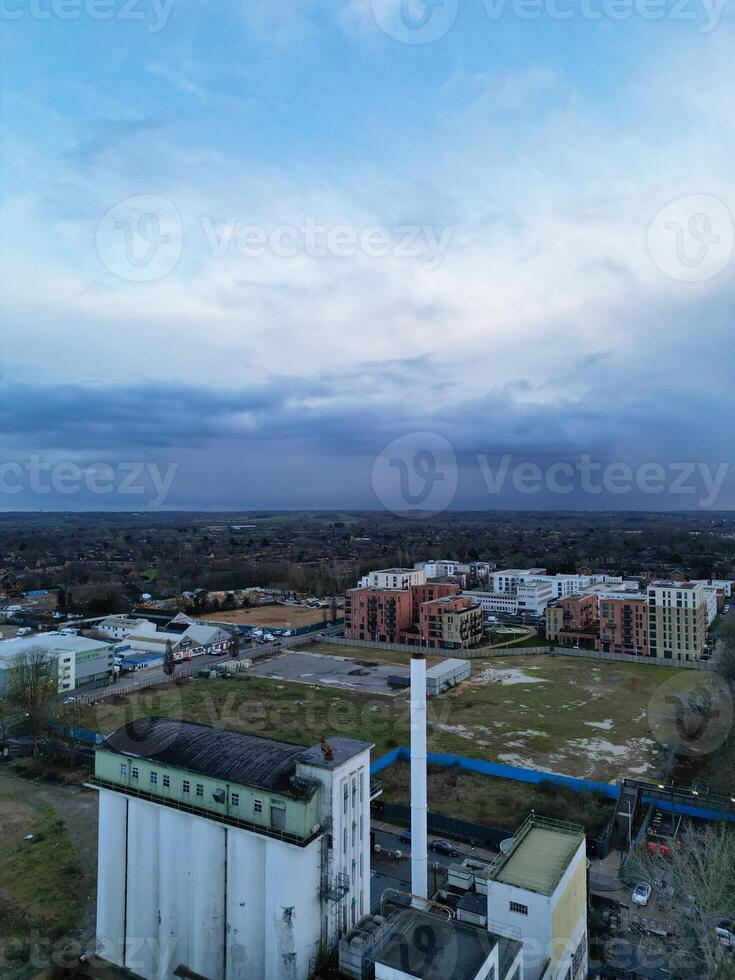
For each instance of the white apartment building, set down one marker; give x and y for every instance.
(443, 568)
(724, 584)
(393, 578)
(534, 596)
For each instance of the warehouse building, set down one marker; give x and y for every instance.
(226, 854)
(448, 673)
(80, 662)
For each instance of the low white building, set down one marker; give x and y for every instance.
(495, 602)
(120, 627)
(81, 662)
(196, 640)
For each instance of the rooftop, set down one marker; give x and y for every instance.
(541, 852)
(239, 757)
(47, 643)
(460, 950)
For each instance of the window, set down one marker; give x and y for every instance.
(185, 786)
(123, 769)
(154, 778)
(166, 782)
(235, 798)
(200, 789)
(518, 908)
(257, 806)
(134, 772)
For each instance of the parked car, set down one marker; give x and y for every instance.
(405, 837)
(641, 894)
(444, 847)
(725, 932)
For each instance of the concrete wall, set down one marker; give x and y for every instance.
(176, 889)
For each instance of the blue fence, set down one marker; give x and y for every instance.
(83, 735)
(499, 770)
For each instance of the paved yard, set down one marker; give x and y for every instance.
(316, 668)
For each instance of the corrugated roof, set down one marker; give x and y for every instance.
(238, 757)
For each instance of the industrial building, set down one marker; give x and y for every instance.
(227, 854)
(538, 887)
(439, 678)
(81, 662)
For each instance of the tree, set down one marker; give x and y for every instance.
(169, 663)
(34, 688)
(701, 873)
(725, 651)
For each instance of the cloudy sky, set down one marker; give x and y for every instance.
(365, 253)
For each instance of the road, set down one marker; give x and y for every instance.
(391, 872)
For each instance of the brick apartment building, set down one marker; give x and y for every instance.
(573, 621)
(430, 615)
(624, 625)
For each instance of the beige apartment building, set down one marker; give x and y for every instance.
(677, 620)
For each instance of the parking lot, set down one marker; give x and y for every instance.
(315, 668)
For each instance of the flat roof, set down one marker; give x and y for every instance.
(48, 643)
(542, 851)
(460, 950)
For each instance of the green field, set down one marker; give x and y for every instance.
(502, 803)
(562, 714)
(46, 891)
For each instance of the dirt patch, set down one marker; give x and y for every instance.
(279, 617)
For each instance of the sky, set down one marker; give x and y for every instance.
(404, 254)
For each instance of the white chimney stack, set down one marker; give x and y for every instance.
(419, 835)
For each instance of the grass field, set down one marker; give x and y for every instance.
(500, 803)
(282, 617)
(369, 655)
(562, 714)
(46, 885)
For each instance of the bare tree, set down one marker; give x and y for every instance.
(169, 662)
(34, 688)
(701, 876)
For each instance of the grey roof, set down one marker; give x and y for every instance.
(460, 950)
(238, 757)
(342, 750)
(48, 643)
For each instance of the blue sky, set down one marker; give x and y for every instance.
(521, 243)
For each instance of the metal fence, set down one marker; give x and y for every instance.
(464, 830)
(623, 658)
